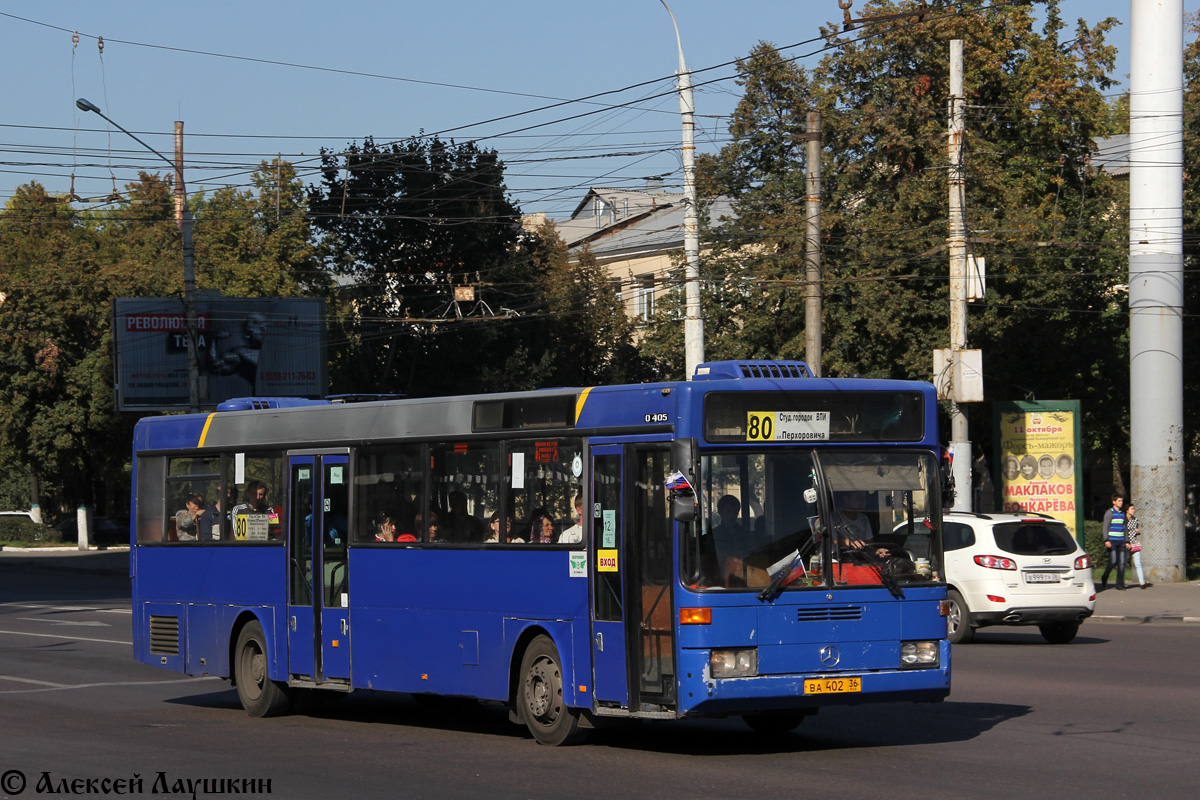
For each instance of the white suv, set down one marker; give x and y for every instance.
(1015, 569)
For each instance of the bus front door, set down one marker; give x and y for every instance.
(633, 616)
(610, 679)
(319, 587)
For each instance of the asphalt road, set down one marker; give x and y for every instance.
(1112, 715)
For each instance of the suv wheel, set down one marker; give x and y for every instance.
(1059, 632)
(958, 620)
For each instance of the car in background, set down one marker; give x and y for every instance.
(18, 514)
(1015, 569)
(103, 531)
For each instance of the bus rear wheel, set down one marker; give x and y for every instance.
(260, 696)
(540, 703)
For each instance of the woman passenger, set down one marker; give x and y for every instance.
(541, 531)
(384, 526)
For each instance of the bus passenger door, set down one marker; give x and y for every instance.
(319, 587)
(610, 679)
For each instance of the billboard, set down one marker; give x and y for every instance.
(1038, 460)
(260, 347)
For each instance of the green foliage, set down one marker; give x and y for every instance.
(258, 242)
(56, 403)
(404, 224)
(25, 532)
(1053, 230)
(589, 337)
(1093, 543)
(62, 270)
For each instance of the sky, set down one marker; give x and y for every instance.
(256, 78)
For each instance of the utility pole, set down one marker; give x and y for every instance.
(812, 245)
(693, 323)
(183, 219)
(957, 245)
(1156, 283)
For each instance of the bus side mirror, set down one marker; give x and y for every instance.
(683, 507)
(947, 475)
(684, 456)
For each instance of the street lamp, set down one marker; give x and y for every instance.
(189, 262)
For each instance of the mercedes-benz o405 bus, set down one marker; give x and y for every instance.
(754, 542)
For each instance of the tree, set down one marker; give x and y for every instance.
(404, 224)
(57, 416)
(258, 242)
(1052, 229)
(589, 337)
(61, 270)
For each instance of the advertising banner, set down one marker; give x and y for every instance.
(1038, 460)
(268, 347)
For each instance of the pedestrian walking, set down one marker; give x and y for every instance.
(1112, 528)
(1133, 541)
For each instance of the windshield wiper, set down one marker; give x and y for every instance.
(781, 577)
(879, 567)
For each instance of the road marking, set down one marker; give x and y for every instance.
(70, 638)
(31, 680)
(65, 687)
(69, 608)
(91, 623)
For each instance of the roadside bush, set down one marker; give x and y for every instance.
(15, 530)
(1093, 543)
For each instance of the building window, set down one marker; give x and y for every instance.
(644, 297)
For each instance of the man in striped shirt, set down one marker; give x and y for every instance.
(1113, 531)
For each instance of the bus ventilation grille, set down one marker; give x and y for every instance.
(733, 370)
(164, 636)
(828, 614)
(774, 369)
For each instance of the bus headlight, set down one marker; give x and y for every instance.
(740, 662)
(918, 654)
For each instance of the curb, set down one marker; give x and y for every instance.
(1136, 619)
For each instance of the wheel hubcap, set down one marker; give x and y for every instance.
(542, 690)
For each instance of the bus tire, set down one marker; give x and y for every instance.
(260, 696)
(540, 703)
(773, 723)
(958, 619)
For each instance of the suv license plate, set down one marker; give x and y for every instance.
(832, 685)
(1041, 577)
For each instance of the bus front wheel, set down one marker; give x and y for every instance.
(540, 702)
(260, 696)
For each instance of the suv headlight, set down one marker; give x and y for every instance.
(741, 662)
(918, 654)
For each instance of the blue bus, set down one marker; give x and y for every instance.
(755, 542)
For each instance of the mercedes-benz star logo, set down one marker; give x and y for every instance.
(830, 656)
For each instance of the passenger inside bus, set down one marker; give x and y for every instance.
(729, 536)
(460, 525)
(189, 521)
(383, 527)
(427, 526)
(574, 534)
(494, 531)
(850, 520)
(541, 529)
(218, 512)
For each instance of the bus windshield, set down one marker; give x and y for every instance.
(849, 517)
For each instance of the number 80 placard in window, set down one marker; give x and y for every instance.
(787, 426)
